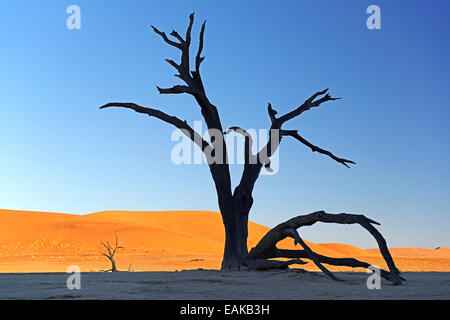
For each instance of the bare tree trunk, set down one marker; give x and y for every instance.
(113, 265)
(236, 229)
(236, 233)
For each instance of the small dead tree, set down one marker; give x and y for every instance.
(235, 204)
(111, 253)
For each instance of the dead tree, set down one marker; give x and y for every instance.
(111, 253)
(234, 204)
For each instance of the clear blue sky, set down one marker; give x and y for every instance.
(60, 153)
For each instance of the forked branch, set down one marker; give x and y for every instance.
(277, 123)
(276, 134)
(308, 104)
(295, 135)
(194, 85)
(263, 157)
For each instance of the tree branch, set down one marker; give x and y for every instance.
(166, 39)
(174, 90)
(104, 254)
(272, 112)
(194, 86)
(189, 29)
(294, 134)
(116, 246)
(176, 35)
(107, 246)
(346, 262)
(263, 264)
(273, 143)
(249, 156)
(198, 58)
(250, 175)
(182, 125)
(308, 104)
(294, 234)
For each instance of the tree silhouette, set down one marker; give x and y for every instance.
(111, 252)
(259, 257)
(234, 204)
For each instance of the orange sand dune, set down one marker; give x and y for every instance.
(171, 231)
(348, 250)
(161, 240)
(416, 252)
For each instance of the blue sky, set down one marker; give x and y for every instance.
(60, 153)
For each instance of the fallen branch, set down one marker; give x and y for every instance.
(266, 248)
